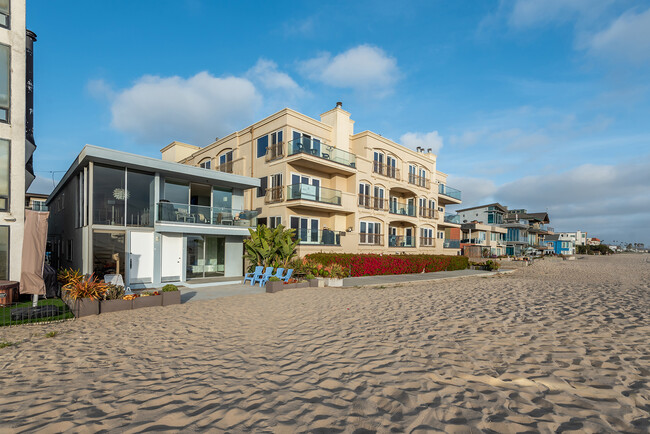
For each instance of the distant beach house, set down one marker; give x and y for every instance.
(147, 220)
(560, 246)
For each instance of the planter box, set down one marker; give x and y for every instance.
(83, 307)
(148, 301)
(316, 283)
(171, 297)
(300, 285)
(115, 305)
(333, 282)
(272, 287)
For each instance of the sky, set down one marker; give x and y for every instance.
(536, 105)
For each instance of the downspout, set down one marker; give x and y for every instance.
(252, 163)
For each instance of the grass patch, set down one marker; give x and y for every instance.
(50, 334)
(6, 344)
(5, 312)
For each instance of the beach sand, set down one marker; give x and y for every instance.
(555, 347)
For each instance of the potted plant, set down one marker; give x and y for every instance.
(274, 284)
(83, 295)
(334, 275)
(147, 299)
(170, 295)
(114, 300)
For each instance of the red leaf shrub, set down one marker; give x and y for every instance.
(373, 265)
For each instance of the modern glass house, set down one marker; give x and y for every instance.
(148, 220)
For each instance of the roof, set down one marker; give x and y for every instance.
(498, 205)
(554, 237)
(539, 216)
(168, 168)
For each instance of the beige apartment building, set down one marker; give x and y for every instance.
(341, 191)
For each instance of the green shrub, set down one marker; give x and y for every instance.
(491, 265)
(309, 276)
(274, 279)
(169, 288)
(114, 292)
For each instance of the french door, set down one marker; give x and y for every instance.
(307, 229)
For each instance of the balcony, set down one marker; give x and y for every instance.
(450, 195)
(451, 244)
(479, 241)
(274, 152)
(315, 237)
(182, 213)
(401, 208)
(386, 170)
(314, 193)
(427, 241)
(345, 162)
(451, 220)
(372, 202)
(274, 195)
(419, 181)
(371, 239)
(428, 213)
(401, 241)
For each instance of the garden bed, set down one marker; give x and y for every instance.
(43, 314)
(273, 287)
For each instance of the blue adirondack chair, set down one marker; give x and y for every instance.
(251, 276)
(287, 276)
(278, 274)
(263, 277)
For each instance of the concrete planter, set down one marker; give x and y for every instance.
(316, 283)
(300, 285)
(114, 305)
(272, 287)
(148, 301)
(171, 297)
(333, 282)
(83, 307)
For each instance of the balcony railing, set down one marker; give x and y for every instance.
(225, 167)
(452, 218)
(371, 239)
(427, 241)
(451, 244)
(385, 169)
(428, 213)
(183, 213)
(321, 150)
(274, 195)
(419, 180)
(275, 152)
(401, 241)
(402, 208)
(373, 202)
(479, 241)
(448, 191)
(314, 193)
(323, 237)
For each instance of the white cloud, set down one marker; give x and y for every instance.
(431, 140)
(99, 89)
(197, 109)
(627, 38)
(266, 72)
(364, 67)
(475, 191)
(526, 13)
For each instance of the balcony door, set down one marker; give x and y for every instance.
(306, 229)
(306, 143)
(205, 256)
(305, 187)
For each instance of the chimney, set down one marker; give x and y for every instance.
(339, 104)
(429, 150)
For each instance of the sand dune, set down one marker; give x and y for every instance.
(560, 346)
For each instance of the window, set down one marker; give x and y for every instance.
(370, 233)
(423, 178)
(108, 195)
(5, 68)
(68, 251)
(139, 198)
(205, 164)
(225, 162)
(4, 252)
(306, 229)
(364, 195)
(4, 175)
(5, 13)
(276, 138)
(441, 235)
(412, 171)
(261, 190)
(379, 198)
(378, 162)
(426, 237)
(392, 164)
(262, 144)
(274, 222)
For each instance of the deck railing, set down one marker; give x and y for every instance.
(451, 244)
(323, 237)
(373, 202)
(402, 208)
(401, 241)
(427, 241)
(314, 193)
(321, 150)
(225, 167)
(183, 213)
(385, 170)
(274, 195)
(371, 239)
(274, 152)
(448, 191)
(428, 213)
(419, 180)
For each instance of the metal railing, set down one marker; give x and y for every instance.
(371, 239)
(448, 191)
(274, 195)
(429, 213)
(274, 152)
(314, 193)
(480, 241)
(225, 167)
(324, 237)
(401, 241)
(451, 244)
(197, 214)
(373, 202)
(427, 241)
(419, 180)
(402, 208)
(385, 170)
(321, 150)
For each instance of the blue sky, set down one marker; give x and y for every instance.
(538, 105)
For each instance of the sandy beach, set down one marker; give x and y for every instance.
(559, 346)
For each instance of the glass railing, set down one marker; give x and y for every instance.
(451, 244)
(452, 218)
(323, 237)
(313, 193)
(473, 241)
(401, 241)
(182, 213)
(402, 208)
(448, 191)
(320, 149)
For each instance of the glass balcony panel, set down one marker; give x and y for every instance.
(401, 241)
(314, 193)
(321, 150)
(451, 244)
(402, 208)
(196, 214)
(448, 191)
(323, 237)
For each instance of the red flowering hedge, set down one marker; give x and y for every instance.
(373, 265)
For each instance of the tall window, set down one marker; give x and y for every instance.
(5, 13)
(274, 222)
(5, 68)
(121, 198)
(364, 195)
(262, 144)
(261, 190)
(4, 175)
(225, 162)
(4, 252)
(379, 198)
(369, 232)
(139, 198)
(378, 162)
(426, 237)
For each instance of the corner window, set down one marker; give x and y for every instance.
(4, 175)
(4, 252)
(5, 13)
(5, 68)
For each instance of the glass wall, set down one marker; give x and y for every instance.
(177, 192)
(205, 256)
(109, 253)
(140, 201)
(221, 198)
(108, 195)
(4, 252)
(4, 175)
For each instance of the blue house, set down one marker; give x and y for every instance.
(559, 247)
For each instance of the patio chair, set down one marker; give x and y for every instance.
(263, 277)
(287, 276)
(278, 274)
(251, 276)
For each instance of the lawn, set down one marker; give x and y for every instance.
(5, 312)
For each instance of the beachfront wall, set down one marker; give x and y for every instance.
(150, 221)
